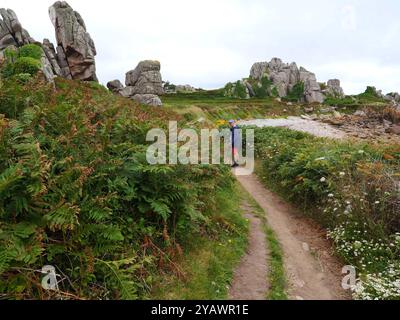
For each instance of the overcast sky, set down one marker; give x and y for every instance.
(208, 43)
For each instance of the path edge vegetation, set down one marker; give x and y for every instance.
(277, 279)
(350, 188)
(209, 263)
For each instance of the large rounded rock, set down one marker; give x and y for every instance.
(115, 86)
(312, 89)
(146, 78)
(148, 99)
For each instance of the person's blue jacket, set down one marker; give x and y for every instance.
(235, 137)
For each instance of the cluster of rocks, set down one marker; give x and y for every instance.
(334, 89)
(393, 97)
(143, 84)
(11, 31)
(185, 89)
(74, 56)
(365, 124)
(285, 76)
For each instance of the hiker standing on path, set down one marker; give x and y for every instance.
(236, 141)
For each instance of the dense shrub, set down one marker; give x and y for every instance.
(26, 65)
(262, 88)
(24, 60)
(16, 94)
(236, 90)
(346, 101)
(297, 93)
(370, 92)
(7, 68)
(370, 96)
(352, 189)
(76, 192)
(31, 51)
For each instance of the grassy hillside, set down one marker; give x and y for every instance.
(77, 193)
(213, 106)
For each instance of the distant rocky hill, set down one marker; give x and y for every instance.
(276, 78)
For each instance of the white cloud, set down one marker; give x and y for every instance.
(356, 75)
(349, 18)
(208, 43)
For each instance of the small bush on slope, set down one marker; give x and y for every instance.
(26, 65)
(77, 193)
(352, 189)
(24, 60)
(297, 93)
(32, 51)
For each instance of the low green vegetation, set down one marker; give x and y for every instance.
(236, 90)
(276, 269)
(31, 51)
(77, 193)
(368, 98)
(207, 263)
(297, 93)
(350, 188)
(213, 106)
(24, 60)
(263, 88)
(277, 277)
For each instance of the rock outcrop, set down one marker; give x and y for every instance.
(187, 88)
(74, 56)
(11, 31)
(148, 99)
(143, 84)
(115, 86)
(145, 78)
(51, 55)
(285, 76)
(334, 89)
(312, 89)
(13, 35)
(75, 48)
(394, 98)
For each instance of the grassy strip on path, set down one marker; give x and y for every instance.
(209, 263)
(276, 275)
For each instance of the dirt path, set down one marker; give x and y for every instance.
(312, 271)
(250, 278)
(315, 128)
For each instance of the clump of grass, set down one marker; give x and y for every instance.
(208, 262)
(277, 276)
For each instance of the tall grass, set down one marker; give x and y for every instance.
(351, 188)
